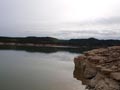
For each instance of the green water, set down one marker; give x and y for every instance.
(21, 70)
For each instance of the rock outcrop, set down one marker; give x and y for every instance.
(99, 69)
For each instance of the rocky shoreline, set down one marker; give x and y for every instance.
(99, 69)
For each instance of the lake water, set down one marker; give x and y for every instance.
(22, 70)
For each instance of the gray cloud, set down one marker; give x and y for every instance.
(60, 18)
(110, 20)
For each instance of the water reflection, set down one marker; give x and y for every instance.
(44, 49)
(20, 70)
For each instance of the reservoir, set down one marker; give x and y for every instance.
(23, 70)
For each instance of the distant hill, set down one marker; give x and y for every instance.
(91, 42)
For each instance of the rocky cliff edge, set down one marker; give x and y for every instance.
(99, 69)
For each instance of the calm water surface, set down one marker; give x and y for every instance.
(20, 70)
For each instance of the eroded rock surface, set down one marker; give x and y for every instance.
(99, 69)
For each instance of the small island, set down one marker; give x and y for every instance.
(99, 69)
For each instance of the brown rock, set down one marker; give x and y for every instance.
(106, 71)
(107, 84)
(96, 59)
(115, 75)
(89, 72)
(100, 68)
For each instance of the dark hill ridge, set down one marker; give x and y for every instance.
(91, 42)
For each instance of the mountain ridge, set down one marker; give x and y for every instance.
(90, 42)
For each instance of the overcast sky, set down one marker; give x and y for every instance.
(60, 18)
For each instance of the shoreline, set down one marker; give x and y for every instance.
(37, 45)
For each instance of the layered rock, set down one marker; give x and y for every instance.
(99, 69)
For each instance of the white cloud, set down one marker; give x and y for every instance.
(84, 18)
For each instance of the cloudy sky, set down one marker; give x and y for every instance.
(63, 19)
